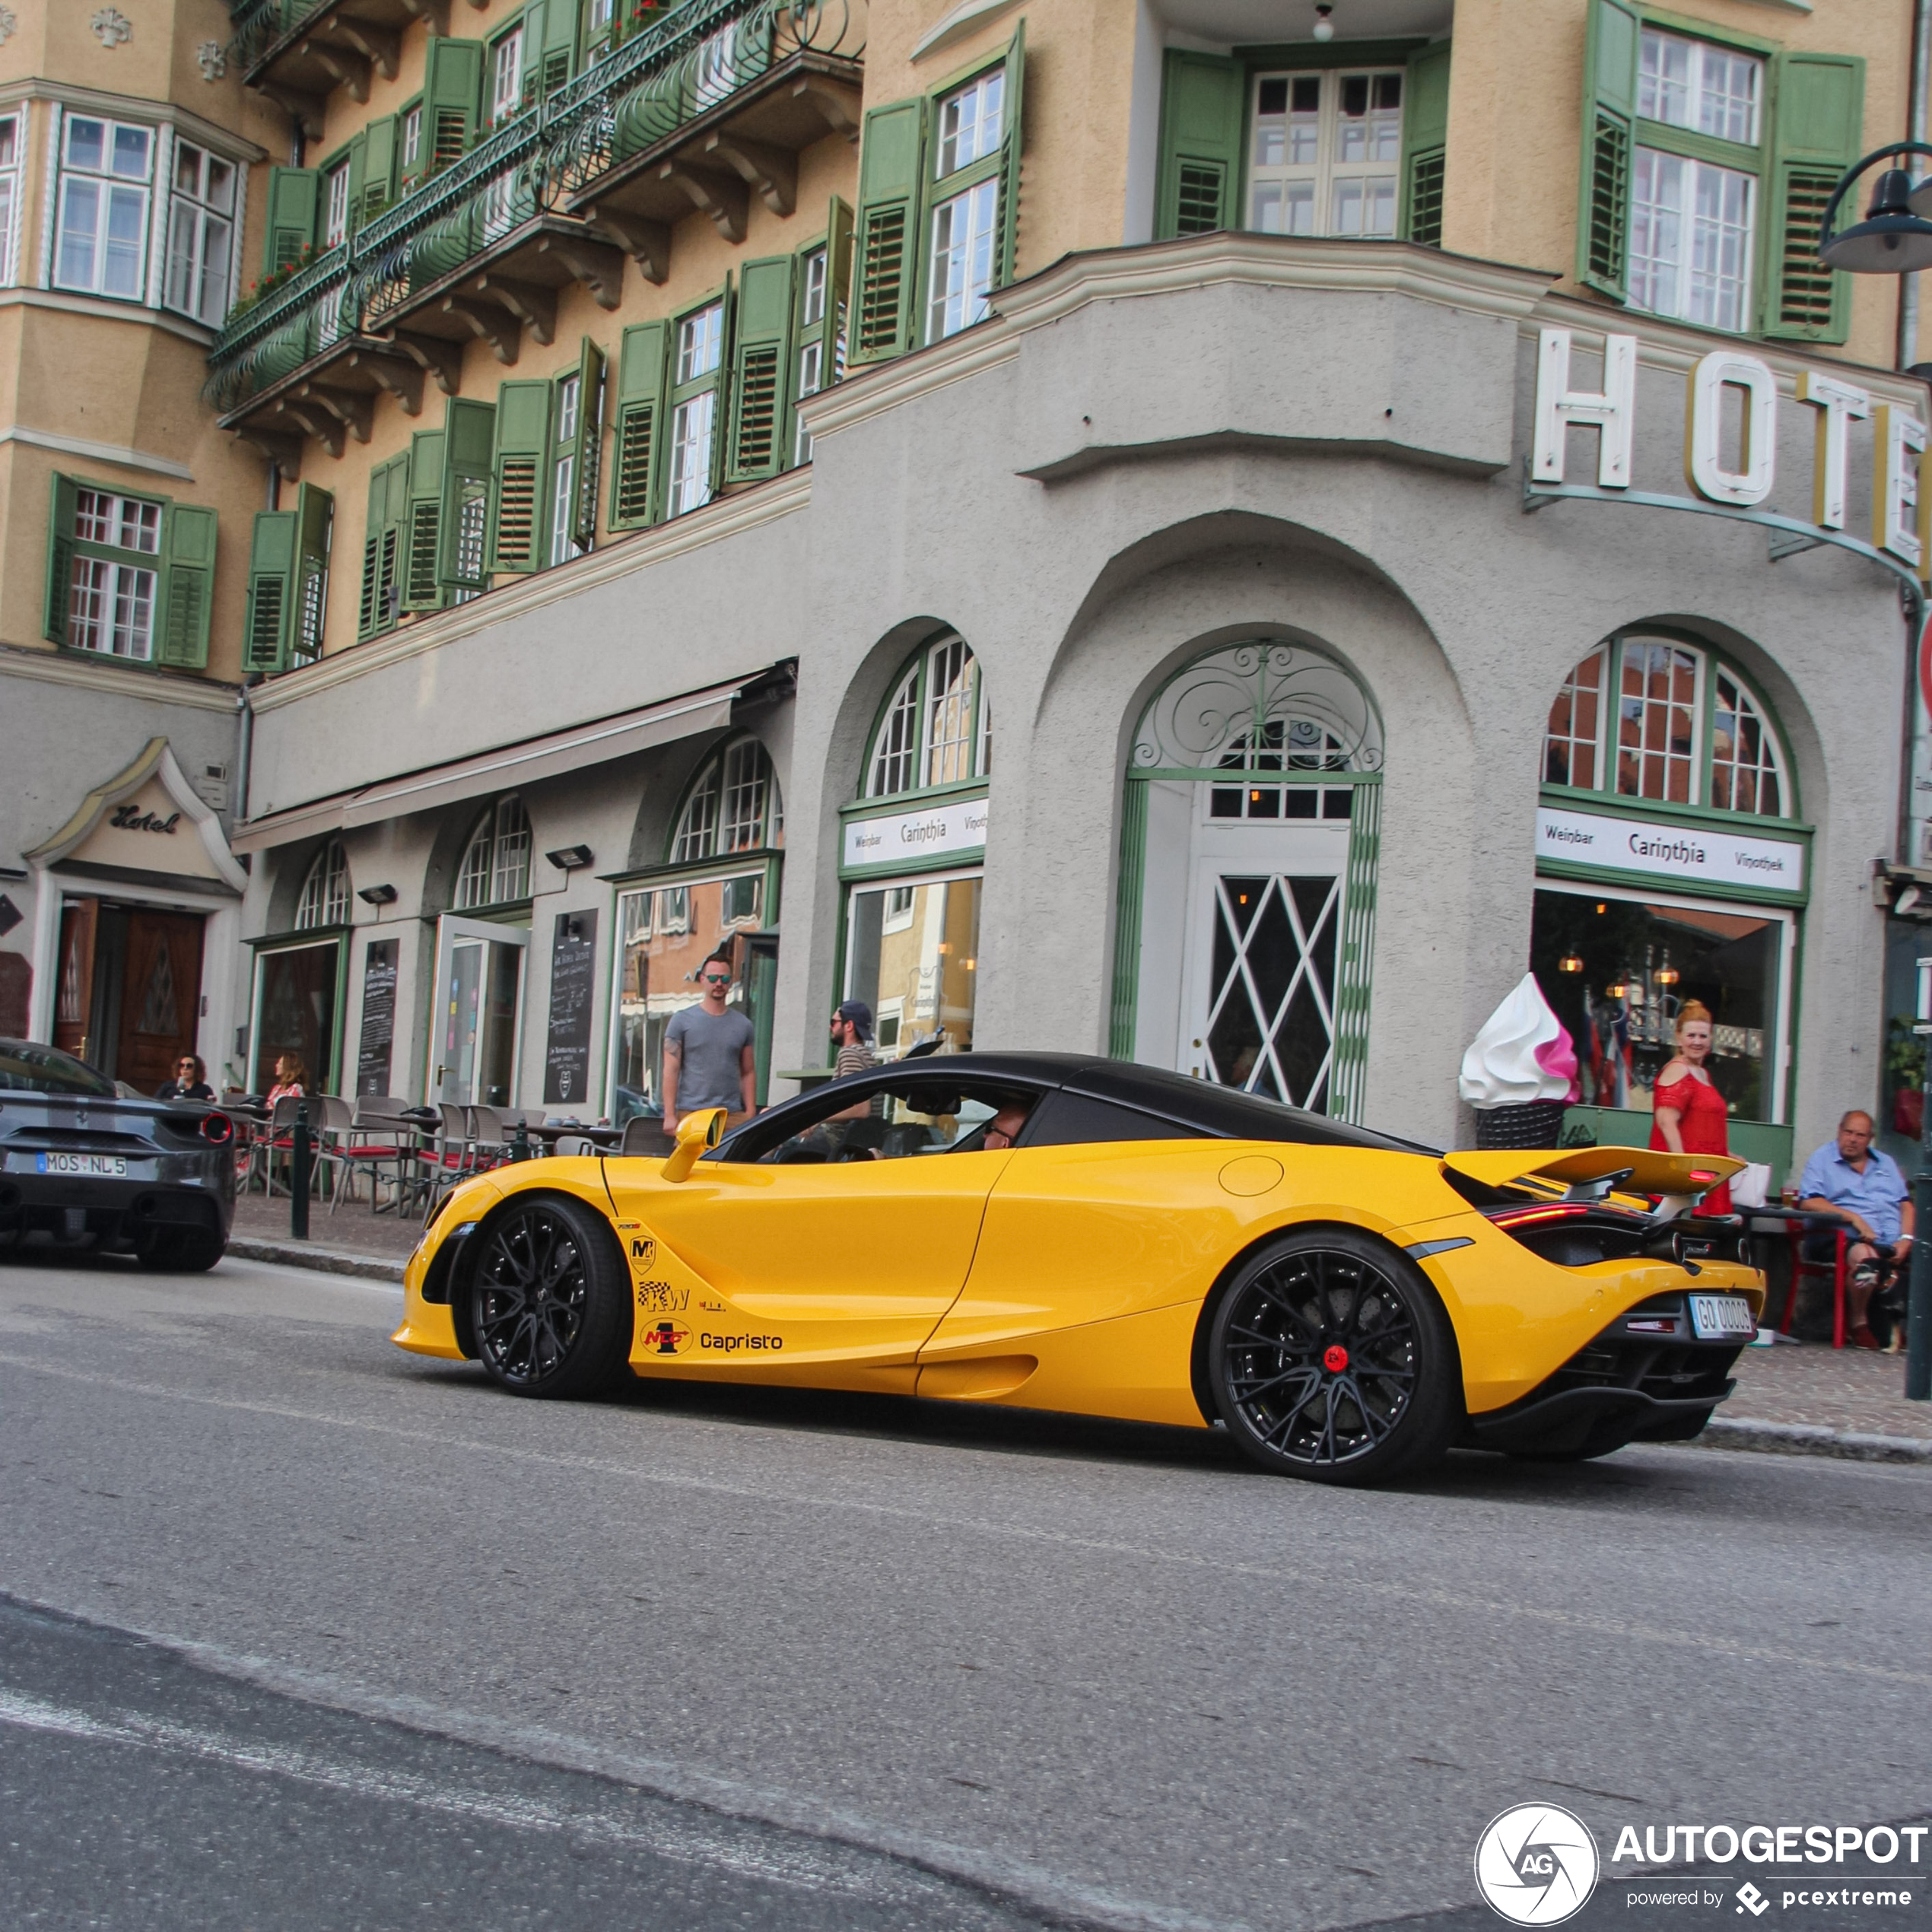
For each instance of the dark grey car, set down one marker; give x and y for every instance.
(79, 1166)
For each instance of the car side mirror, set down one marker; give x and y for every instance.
(696, 1133)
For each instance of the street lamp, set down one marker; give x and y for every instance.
(1895, 238)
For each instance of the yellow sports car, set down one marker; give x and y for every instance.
(1055, 1231)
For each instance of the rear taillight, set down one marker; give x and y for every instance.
(1513, 1218)
(218, 1129)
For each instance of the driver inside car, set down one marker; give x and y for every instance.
(1005, 1127)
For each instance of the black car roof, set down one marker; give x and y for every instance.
(1223, 1112)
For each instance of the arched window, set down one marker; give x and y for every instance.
(1656, 717)
(937, 725)
(325, 900)
(495, 867)
(733, 807)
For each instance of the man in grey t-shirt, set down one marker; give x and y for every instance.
(707, 1054)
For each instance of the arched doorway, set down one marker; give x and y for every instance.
(1248, 877)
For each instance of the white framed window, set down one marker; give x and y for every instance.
(733, 807)
(898, 915)
(325, 899)
(106, 171)
(201, 234)
(893, 749)
(1690, 239)
(12, 136)
(961, 268)
(412, 138)
(701, 343)
(505, 75)
(496, 863)
(811, 357)
(970, 123)
(1693, 84)
(598, 17)
(336, 205)
(1326, 153)
(951, 683)
(563, 487)
(936, 729)
(110, 603)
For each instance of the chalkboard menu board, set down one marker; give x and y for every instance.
(372, 1059)
(572, 979)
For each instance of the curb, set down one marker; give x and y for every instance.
(1809, 1439)
(328, 1261)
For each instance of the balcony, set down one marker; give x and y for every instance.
(297, 52)
(705, 108)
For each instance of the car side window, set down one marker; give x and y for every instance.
(1070, 1120)
(911, 1116)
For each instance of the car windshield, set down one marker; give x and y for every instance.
(25, 1069)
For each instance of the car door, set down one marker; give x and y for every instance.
(1102, 1211)
(845, 1242)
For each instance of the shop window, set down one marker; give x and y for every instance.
(496, 862)
(297, 1009)
(1658, 718)
(936, 728)
(106, 171)
(1617, 968)
(325, 898)
(734, 806)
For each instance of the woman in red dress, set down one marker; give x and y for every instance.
(1689, 1111)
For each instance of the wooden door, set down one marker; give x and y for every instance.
(161, 996)
(74, 990)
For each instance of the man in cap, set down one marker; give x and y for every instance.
(852, 1033)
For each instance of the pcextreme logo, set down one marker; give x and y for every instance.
(1536, 1864)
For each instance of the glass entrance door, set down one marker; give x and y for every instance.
(478, 1020)
(1264, 942)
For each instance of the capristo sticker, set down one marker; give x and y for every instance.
(732, 1345)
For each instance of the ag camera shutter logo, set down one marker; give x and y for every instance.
(1536, 1864)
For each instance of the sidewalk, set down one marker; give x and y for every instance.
(351, 1241)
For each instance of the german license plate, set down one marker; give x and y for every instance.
(1714, 1316)
(111, 1165)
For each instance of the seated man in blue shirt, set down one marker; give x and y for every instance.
(1854, 1179)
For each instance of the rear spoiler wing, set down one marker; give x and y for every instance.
(1593, 1173)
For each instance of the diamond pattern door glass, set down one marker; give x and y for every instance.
(1271, 1025)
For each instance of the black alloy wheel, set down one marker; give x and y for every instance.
(550, 1301)
(1331, 1358)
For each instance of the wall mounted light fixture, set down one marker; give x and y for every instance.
(378, 895)
(571, 858)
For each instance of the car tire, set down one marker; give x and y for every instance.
(1331, 1358)
(181, 1251)
(549, 1298)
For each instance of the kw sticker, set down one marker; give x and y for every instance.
(661, 1298)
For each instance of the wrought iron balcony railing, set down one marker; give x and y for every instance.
(687, 64)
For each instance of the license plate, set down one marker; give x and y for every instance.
(1714, 1316)
(114, 1164)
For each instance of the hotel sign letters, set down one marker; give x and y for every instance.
(1902, 508)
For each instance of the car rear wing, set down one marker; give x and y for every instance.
(1599, 1173)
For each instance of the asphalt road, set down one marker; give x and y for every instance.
(301, 1631)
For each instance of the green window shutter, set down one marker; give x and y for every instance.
(838, 290)
(382, 545)
(188, 535)
(420, 591)
(294, 208)
(463, 531)
(557, 51)
(378, 185)
(315, 520)
(761, 359)
(522, 447)
(636, 453)
(1011, 138)
(271, 591)
(1203, 99)
(891, 162)
(60, 555)
(1424, 143)
(453, 93)
(358, 156)
(1610, 122)
(588, 446)
(1816, 128)
(720, 384)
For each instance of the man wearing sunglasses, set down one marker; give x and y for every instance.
(707, 1054)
